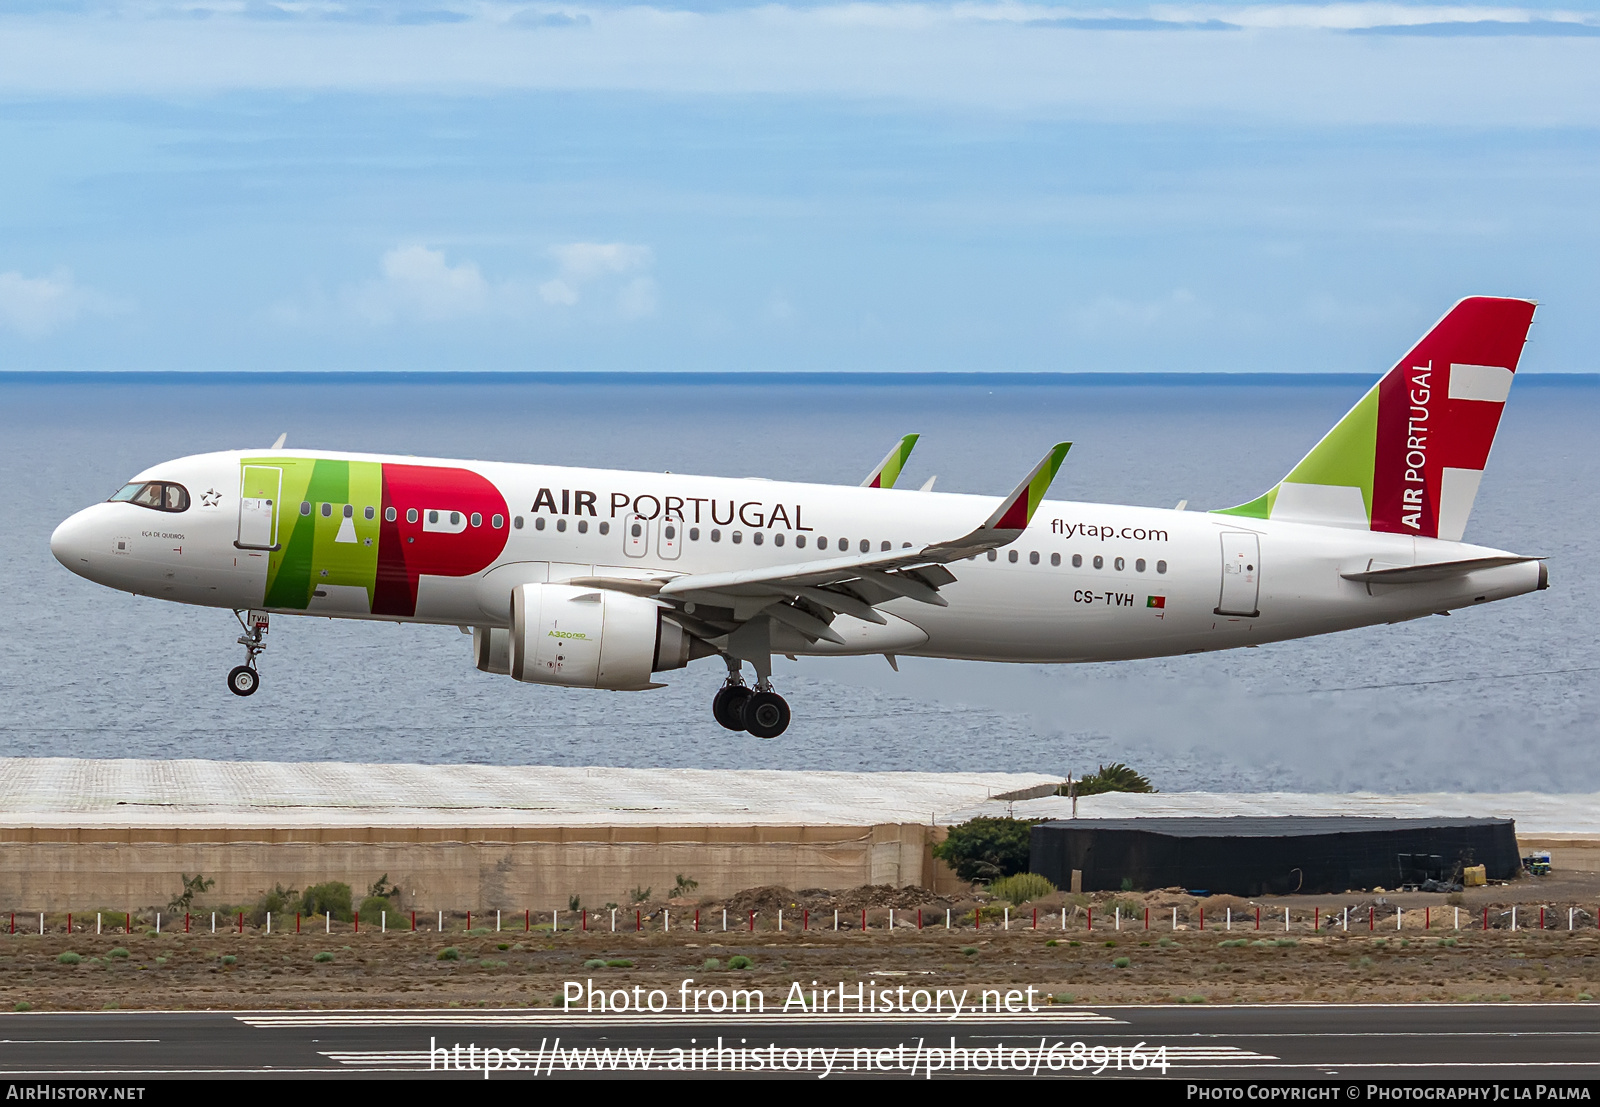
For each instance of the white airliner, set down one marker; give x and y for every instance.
(595, 578)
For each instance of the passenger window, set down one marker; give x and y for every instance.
(327, 511)
(433, 516)
(756, 538)
(1033, 558)
(800, 541)
(389, 515)
(865, 545)
(561, 525)
(1138, 566)
(517, 522)
(1077, 561)
(822, 543)
(636, 530)
(884, 547)
(671, 532)
(477, 519)
(993, 555)
(1011, 556)
(538, 522)
(1119, 563)
(455, 518)
(844, 545)
(1161, 566)
(411, 514)
(583, 526)
(305, 508)
(1099, 562)
(497, 522)
(738, 536)
(605, 528)
(777, 539)
(716, 535)
(350, 511)
(368, 513)
(694, 534)
(1055, 559)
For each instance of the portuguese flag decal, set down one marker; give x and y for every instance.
(1155, 601)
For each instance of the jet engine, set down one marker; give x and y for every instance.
(585, 638)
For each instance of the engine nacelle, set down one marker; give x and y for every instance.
(590, 638)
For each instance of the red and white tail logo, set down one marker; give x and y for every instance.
(1438, 411)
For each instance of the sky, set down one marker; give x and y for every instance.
(750, 187)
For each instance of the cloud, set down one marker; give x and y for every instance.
(585, 264)
(419, 280)
(35, 306)
(1317, 62)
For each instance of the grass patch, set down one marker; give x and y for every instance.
(322, 958)
(1111, 945)
(118, 952)
(1191, 999)
(971, 951)
(1052, 942)
(594, 963)
(740, 961)
(70, 958)
(448, 953)
(619, 963)
(711, 964)
(23, 1005)
(1063, 997)
(1231, 943)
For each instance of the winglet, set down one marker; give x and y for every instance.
(888, 470)
(1019, 507)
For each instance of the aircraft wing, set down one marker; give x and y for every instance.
(888, 470)
(819, 589)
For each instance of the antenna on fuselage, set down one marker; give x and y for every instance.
(1181, 505)
(282, 438)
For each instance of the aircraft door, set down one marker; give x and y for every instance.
(635, 535)
(260, 489)
(670, 544)
(1241, 574)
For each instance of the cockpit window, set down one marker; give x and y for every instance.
(160, 495)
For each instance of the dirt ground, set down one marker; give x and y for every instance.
(1426, 959)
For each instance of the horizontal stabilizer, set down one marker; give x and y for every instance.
(1438, 570)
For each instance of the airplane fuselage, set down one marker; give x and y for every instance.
(361, 536)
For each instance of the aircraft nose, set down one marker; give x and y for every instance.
(73, 540)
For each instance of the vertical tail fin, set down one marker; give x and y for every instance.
(1408, 457)
(888, 470)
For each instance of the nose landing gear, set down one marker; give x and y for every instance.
(243, 680)
(761, 711)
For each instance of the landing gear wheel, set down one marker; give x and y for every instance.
(728, 706)
(243, 680)
(766, 715)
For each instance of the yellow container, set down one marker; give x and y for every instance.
(1475, 876)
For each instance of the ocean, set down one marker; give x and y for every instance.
(1498, 698)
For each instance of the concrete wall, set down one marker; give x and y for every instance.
(510, 868)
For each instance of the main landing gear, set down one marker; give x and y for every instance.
(760, 710)
(243, 680)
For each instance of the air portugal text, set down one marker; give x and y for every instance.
(1417, 446)
(756, 514)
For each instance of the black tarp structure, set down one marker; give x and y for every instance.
(1251, 856)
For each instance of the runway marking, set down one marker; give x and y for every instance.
(76, 1041)
(584, 1020)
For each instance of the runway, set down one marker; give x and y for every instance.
(1469, 1041)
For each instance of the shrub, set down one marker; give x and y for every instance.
(1063, 997)
(322, 958)
(619, 963)
(449, 953)
(574, 903)
(711, 965)
(192, 886)
(684, 886)
(373, 907)
(971, 950)
(278, 901)
(1021, 888)
(503, 945)
(639, 895)
(986, 848)
(69, 958)
(227, 959)
(23, 1005)
(118, 952)
(1121, 963)
(594, 963)
(740, 961)
(332, 897)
